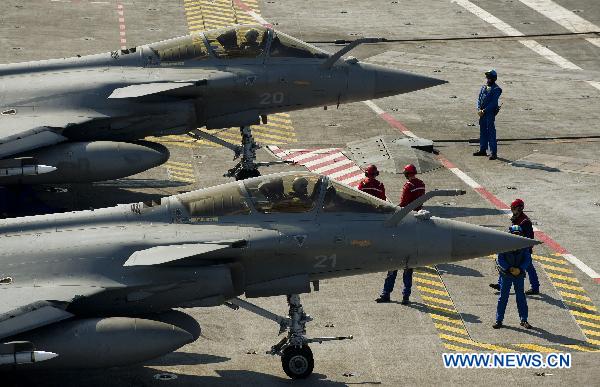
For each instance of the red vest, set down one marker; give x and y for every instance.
(412, 189)
(372, 187)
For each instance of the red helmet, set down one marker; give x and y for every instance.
(371, 171)
(410, 169)
(517, 203)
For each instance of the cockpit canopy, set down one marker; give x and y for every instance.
(293, 192)
(246, 41)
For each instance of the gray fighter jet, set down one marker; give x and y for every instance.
(78, 119)
(96, 288)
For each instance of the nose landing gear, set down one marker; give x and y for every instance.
(247, 167)
(296, 356)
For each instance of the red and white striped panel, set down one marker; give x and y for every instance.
(326, 161)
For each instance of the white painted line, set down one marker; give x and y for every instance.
(488, 17)
(508, 30)
(352, 168)
(550, 55)
(353, 179)
(582, 266)
(594, 84)
(465, 178)
(329, 158)
(374, 107)
(342, 163)
(564, 17)
(300, 159)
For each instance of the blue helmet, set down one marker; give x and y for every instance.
(515, 229)
(491, 74)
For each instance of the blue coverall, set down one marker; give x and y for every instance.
(521, 259)
(390, 279)
(488, 101)
(527, 227)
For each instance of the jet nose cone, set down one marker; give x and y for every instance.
(390, 82)
(470, 241)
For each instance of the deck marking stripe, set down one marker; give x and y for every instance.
(508, 30)
(564, 17)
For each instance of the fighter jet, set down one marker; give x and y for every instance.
(79, 119)
(97, 288)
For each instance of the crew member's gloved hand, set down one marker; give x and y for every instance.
(480, 113)
(515, 271)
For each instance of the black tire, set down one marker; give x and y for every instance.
(298, 362)
(247, 174)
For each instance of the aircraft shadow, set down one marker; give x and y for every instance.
(530, 165)
(185, 358)
(145, 376)
(450, 268)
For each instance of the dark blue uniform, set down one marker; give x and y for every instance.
(521, 259)
(527, 227)
(488, 102)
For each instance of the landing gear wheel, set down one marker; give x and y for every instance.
(297, 362)
(246, 174)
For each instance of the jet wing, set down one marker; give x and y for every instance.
(26, 308)
(144, 89)
(21, 131)
(164, 254)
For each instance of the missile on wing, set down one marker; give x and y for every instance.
(22, 352)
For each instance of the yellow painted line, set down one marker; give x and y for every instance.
(535, 348)
(182, 174)
(446, 319)
(280, 119)
(428, 282)
(263, 133)
(453, 347)
(278, 125)
(585, 315)
(269, 129)
(556, 268)
(580, 305)
(176, 178)
(433, 291)
(447, 310)
(436, 276)
(587, 324)
(591, 333)
(474, 343)
(177, 169)
(178, 163)
(579, 348)
(551, 260)
(570, 287)
(449, 328)
(282, 114)
(595, 342)
(576, 296)
(562, 277)
(438, 300)
(221, 15)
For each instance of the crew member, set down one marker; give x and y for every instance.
(487, 108)
(512, 266)
(520, 219)
(371, 185)
(413, 188)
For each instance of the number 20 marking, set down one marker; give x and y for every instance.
(324, 261)
(270, 98)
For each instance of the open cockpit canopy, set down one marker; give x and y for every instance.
(292, 192)
(244, 41)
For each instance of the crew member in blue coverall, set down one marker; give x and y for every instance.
(487, 108)
(512, 266)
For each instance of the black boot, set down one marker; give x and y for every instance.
(497, 325)
(480, 153)
(493, 156)
(495, 286)
(526, 325)
(405, 301)
(532, 292)
(382, 299)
